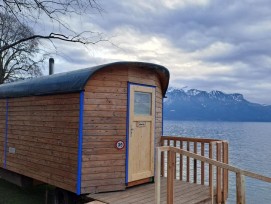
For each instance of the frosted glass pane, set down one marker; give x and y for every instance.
(142, 103)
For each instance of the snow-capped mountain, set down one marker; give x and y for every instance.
(193, 104)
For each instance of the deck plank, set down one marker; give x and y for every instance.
(185, 193)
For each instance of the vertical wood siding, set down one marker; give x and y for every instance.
(44, 132)
(105, 110)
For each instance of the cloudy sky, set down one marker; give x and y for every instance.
(205, 44)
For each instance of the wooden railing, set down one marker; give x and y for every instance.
(193, 170)
(171, 153)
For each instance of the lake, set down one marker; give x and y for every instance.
(249, 148)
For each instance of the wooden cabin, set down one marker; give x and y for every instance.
(85, 131)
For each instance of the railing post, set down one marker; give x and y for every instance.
(181, 162)
(202, 164)
(162, 158)
(195, 162)
(211, 184)
(218, 174)
(158, 176)
(175, 160)
(188, 163)
(240, 189)
(225, 172)
(170, 178)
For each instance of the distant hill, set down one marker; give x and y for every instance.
(194, 104)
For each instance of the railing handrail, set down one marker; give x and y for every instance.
(240, 173)
(221, 154)
(190, 139)
(217, 163)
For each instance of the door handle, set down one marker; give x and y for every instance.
(131, 132)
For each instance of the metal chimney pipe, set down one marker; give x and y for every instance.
(51, 66)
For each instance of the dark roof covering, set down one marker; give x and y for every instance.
(69, 82)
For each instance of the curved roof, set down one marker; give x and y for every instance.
(73, 81)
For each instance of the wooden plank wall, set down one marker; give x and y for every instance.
(2, 129)
(103, 167)
(44, 131)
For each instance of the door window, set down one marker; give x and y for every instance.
(142, 103)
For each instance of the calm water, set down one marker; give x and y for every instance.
(249, 148)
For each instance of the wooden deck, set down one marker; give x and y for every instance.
(185, 193)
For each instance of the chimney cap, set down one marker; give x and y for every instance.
(51, 66)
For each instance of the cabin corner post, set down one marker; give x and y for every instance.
(6, 136)
(80, 143)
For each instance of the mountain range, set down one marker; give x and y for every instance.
(193, 104)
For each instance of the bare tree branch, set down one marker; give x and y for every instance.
(58, 36)
(25, 11)
(19, 60)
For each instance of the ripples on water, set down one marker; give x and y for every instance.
(249, 148)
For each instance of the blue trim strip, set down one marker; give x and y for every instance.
(6, 136)
(154, 156)
(162, 116)
(146, 85)
(127, 132)
(80, 143)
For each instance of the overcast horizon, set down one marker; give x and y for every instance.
(205, 44)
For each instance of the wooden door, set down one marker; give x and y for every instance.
(141, 133)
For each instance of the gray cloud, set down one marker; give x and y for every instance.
(210, 44)
(228, 21)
